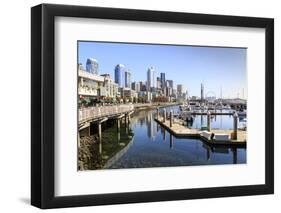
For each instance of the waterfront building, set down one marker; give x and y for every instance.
(148, 96)
(142, 86)
(90, 84)
(170, 84)
(151, 80)
(136, 86)
(92, 66)
(120, 75)
(127, 93)
(128, 79)
(169, 91)
(142, 94)
(110, 86)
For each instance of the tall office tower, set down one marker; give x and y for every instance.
(120, 75)
(128, 81)
(92, 66)
(180, 89)
(151, 81)
(163, 80)
(202, 92)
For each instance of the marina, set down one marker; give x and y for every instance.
(147, 141)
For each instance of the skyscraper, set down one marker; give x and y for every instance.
(162, 80)
(92, 66)
(202, 92)
(120, 75)
(151, 80)
(128, 81)
(180, 89)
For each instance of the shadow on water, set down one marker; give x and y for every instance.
(146, 144)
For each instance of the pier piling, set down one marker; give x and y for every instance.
(235, 125)
(171, 119)
(209, 121)
(118, 125)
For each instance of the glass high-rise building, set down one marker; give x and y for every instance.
(120, 75)
(151, 79)
(92, 66)
(202, 92)
(128, 78)
(162, 80)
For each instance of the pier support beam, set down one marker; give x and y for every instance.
(209, 121)
(171, 118)
(99, 131)
(164, 115)
(129, 118)
(118, 120)
(235, 126)
(118, 125)
(126, 118)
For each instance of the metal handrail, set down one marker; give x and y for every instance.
(97, 112)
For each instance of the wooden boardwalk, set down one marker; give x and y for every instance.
(179, 130)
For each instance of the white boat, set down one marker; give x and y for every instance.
(243, 124)
(242, 113)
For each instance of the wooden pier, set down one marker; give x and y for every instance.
(178, 130)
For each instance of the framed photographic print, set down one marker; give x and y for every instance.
(139, 106)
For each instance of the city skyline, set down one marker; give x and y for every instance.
(217, 68)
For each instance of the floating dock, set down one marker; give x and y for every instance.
(179, 130)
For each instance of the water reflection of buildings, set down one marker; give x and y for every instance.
(151, 126)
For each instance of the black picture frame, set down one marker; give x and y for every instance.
(43, 102)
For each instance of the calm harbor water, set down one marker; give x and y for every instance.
(152, 146)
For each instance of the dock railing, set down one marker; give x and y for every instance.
(103, 111)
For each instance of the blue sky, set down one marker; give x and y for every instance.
(215, 67)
